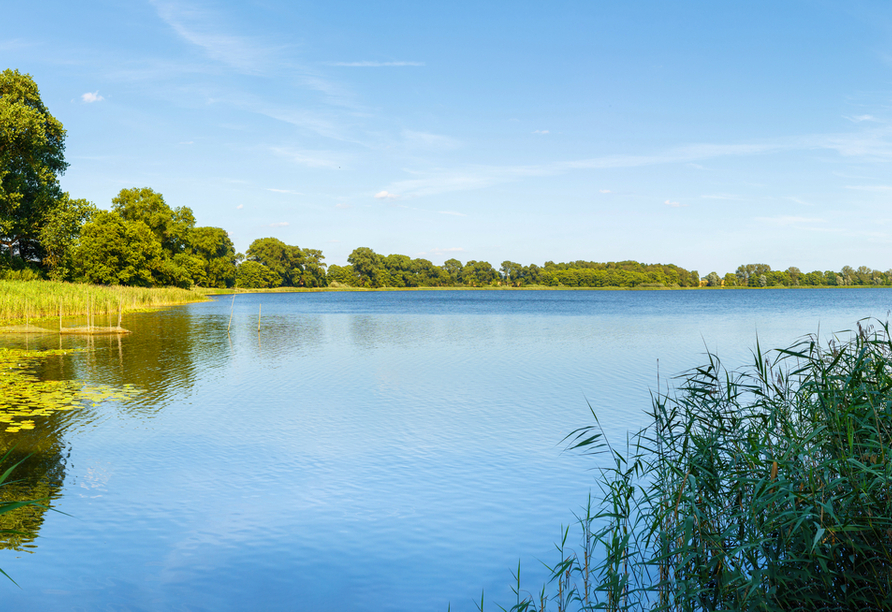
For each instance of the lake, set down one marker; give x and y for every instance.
(372, 450)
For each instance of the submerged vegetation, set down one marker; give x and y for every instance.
(768, 488)
(22, 300)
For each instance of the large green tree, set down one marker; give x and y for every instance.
(216, 254)
(32, 146)
(295, 266)
(115, 251)
(170, 225)
(60, 232)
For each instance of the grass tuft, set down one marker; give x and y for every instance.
(765, 488)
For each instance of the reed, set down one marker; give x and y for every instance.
(765, 488)
(37, 299)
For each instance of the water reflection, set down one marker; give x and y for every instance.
(39, 476)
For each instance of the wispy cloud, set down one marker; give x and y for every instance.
(368, 64)
(452, 212)
(788, 220)
(194, 26)
(288, 191)
(870, 187)
(91, 97)
(674, 204)
(385, 195)
(342, 205)
(720, 196)
(310, 159)
(446, 251)
(427, 140)
(605, 191)
(860, 118)
(541, 132)
(280, 224)
(240, 206)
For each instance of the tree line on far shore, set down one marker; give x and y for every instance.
(142, 241)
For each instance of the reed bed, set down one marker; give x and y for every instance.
(766, 488)
(27, 300)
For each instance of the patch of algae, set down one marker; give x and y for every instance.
(24, 396)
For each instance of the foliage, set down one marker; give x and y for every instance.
(32, 145)
(768, 488)
(294, 266)
(254, 275)
(60, 232)
(117, 251)
(170, 226)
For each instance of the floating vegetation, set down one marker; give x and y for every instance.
(24, 397)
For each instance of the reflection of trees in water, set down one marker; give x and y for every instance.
(39, 477)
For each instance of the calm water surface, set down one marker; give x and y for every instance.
(386, 451)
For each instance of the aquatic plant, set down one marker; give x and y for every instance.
(766, 488)
(24, 396)
(22, 300)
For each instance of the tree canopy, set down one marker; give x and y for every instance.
(32, 147)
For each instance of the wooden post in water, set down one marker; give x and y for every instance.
(231, 310)
(120, 312)
(259, 306)
(60, 316)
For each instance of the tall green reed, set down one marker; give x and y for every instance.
(764, 488)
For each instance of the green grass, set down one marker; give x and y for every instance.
(36, 299)
(767, 488)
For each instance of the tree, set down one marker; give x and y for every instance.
(453, 268)
(512, 273)
(114, 251)
(369, 267)
(254, 275)
(213, 246)
(32, 146)
(341, 274)
(713, 280)
(59, 234)
(296, 267)
(170, 225)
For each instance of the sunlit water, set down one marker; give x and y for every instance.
(362, 451)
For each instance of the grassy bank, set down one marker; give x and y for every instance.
(768, 488)
(21, 300)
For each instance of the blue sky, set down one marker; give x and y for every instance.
(705, 134)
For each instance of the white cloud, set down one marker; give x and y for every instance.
(373, 64)
(786, 220)
(192, 25)
(444, 251)
(288, 191)
(188, 142)
(90, 97)
(240, 206)
(674, 204)
(541, 132)
(860, 118)
(310, 159)
(870, 187)
(385, 195)
(280, 224)
(343, 205)
(720, 196)
(429, 141)
(452, 212)
(605, 191)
